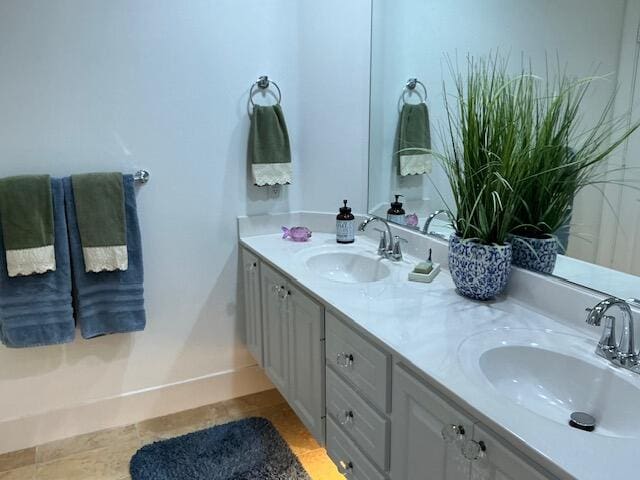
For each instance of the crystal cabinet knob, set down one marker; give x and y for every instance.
(344, 360)
(347, 418)
(252, 267)
(345, 467)
(452, 433)
(284, 293)
(472, 450)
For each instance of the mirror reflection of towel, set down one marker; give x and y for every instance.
(414, 137)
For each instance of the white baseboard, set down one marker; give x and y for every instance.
(128, 408)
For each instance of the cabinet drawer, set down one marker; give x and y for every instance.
(357, 360)
(365, 426)
(347, 457)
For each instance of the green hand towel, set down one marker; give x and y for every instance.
(414, 137)
(99, 202)
(26, 211)
(269, 147)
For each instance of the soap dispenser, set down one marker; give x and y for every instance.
(345, 225)
(396, 213)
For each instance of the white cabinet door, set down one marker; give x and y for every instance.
(275, 328)
(306, 370)
(252, 306)
(497, 461)
(418, 449)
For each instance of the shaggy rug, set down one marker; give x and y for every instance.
(249, 449)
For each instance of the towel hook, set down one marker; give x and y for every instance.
(263, 83)
(410, 87)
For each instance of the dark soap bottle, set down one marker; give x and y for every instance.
(345, 225)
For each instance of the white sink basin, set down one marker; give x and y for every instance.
(553, 375)
(348, 267)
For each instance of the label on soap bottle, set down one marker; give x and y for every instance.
(345, 231)
(399, 219)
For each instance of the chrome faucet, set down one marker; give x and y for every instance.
(388, 249)
(623, 352)
(430, 218)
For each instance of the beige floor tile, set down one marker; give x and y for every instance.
(22, 473)
(319, 466)
(181, 423)
(105, 455)
(291, 428)
(242, 407)
(106, 463)
(81, 443)
(17, 459)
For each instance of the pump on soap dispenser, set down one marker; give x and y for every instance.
(396, 213)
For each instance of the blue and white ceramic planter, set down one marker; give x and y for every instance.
(537, 254)
(479, 271)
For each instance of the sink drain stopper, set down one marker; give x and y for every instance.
(582, 421)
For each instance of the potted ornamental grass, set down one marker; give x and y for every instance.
(483, 150)
(564, 157)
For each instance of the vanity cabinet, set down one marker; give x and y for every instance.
(293, 347)
(252, 304)
(382, 420)
(499, 462)
(428, 434)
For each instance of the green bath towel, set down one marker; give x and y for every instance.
(414, 137)
(26, 212)
(99, 202)
(269, 147)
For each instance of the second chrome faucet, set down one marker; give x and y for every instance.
(620, 352)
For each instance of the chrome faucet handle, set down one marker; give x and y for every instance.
(396, 253)
(622, 352)
(382, 246)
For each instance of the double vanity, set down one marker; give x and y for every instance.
(402, 380)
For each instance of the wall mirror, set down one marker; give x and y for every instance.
(415, 45)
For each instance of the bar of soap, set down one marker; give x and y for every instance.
(425, 277)
(423, 268)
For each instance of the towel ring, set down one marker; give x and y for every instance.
(410, 87)
(263, 84)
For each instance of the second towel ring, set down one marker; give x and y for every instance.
(411, 86)
(263, 84)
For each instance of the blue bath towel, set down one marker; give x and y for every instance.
(37, 310)
(108, 302)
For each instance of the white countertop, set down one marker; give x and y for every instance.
(426, 325)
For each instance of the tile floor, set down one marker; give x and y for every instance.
(105, 455)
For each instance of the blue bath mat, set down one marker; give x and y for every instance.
(249, 449)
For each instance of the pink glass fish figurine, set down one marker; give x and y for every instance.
(411, 220)
(297, 234)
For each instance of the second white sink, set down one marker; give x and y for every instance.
(554, 375)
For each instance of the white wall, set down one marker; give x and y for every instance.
(414, 38)
(97, 85)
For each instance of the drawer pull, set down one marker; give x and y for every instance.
(346, 468)
(344, 360)
(348, 418)
(452, 433)
(473, 451)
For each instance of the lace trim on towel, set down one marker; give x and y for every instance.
(271, 173)
(105, 259)
(31, 260)
(415, 164)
